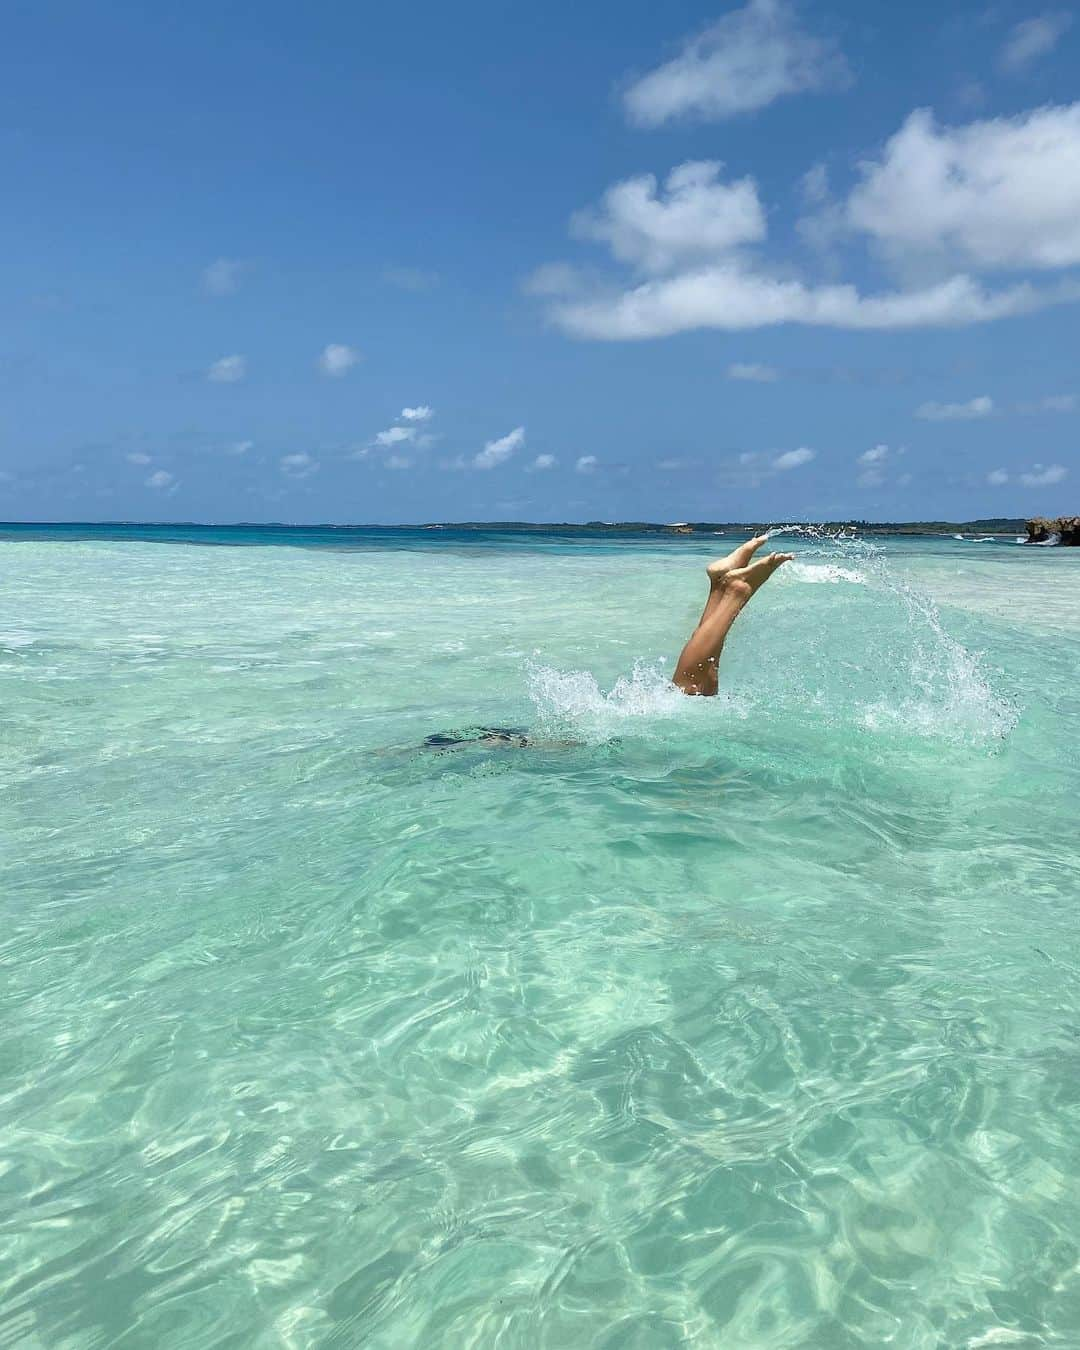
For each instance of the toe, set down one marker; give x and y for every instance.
(746, 551)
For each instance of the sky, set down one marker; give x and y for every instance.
(395, 264)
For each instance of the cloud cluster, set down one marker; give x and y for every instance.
(406, 432)
(946, 203)
(745, 61)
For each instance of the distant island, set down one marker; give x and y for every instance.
(1004, 525)
(1036, 530)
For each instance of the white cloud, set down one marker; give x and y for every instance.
(420, 414)
(1033, 38)
(749, 370)
(137, 457)
(337, 359)
(730, 296)
(996, 477)
(874, 467)
(694, 217)
(496, 452)
(873, 461)
(299, 465)
(228, 370)
(542, 462)
(756, 465)
(398, 462)
(395, 435)
(585, 463)
(745, 61)
(1000, 193)
(1044, 475)
(793, 459)
(239, 447)
(222, 277)
(1054, 403)
(161, 479)
(956, 412)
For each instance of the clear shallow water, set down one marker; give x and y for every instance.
(751, 1022)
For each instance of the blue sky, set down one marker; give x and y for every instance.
(374, 264)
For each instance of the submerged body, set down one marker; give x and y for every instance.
(484, 736)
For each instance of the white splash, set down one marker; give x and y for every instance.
(818, 574)
(951, 698)
(572, 700)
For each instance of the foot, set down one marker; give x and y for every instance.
(744, 581)
(719, 569)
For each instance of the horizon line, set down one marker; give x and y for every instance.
(503, 524)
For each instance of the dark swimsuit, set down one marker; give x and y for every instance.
(452, 740)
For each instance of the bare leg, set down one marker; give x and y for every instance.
(730, 588)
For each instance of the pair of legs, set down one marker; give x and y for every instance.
(732, 581)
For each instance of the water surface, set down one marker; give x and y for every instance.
(747, 1022)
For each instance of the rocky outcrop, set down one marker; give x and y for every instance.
(1041, 530)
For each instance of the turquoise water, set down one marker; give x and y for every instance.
(747, 1022)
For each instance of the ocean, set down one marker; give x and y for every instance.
(744, 1022)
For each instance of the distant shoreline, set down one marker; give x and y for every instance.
(998, 526)
(1003, 526)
